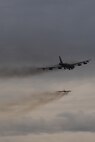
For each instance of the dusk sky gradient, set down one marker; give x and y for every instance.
(33, 33)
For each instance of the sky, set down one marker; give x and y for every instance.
(34, 33)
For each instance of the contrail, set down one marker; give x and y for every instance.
(29, 103)
(19, 71)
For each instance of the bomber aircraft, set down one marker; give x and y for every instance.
(64, 91)
(63, 65)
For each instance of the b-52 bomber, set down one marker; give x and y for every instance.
(63, 65)
(64, 91)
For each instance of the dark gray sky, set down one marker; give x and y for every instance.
(38, 31)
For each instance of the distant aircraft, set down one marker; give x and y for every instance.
(65, 66)
(64, 91)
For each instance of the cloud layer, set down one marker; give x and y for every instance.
(69, 121)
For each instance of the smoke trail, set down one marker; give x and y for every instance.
(29, 103)
(20, 71)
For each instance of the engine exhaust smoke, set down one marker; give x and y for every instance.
(7, 72)
(29, 103)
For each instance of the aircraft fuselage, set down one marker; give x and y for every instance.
(67, 66)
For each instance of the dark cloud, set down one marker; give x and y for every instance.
(38, 31)
(68, 121)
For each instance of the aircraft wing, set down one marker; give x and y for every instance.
(51, 67)
(80, 63)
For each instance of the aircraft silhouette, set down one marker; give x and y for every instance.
(64, 91)
(63, 65)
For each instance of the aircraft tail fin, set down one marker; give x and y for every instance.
(61, 62)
